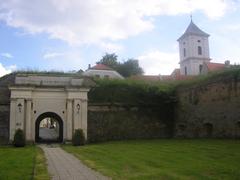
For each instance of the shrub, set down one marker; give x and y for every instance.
(78, 138)
(19, 138)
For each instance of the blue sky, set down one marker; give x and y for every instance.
(70, 34)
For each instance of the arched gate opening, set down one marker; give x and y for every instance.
(49, 128)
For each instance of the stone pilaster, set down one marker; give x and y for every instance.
(69, 119)
(77, 114)
(28, 120)
(20, 113)
(84, 109)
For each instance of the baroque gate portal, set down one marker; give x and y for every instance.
(35, 95)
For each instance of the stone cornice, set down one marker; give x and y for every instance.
(195, 58)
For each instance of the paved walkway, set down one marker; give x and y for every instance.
(46, 133)
(64, 166)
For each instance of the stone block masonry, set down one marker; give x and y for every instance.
(119, 122)
(4, 121)
(209, 110)
(204, 109)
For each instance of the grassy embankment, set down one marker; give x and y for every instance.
(163, 159)
(22, 163)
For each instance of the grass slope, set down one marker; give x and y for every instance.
(17, 163)
(40, 170)
(163, 159)
(22, 163)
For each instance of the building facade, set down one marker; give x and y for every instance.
(102, 71)
(36, 97)
(193, 50)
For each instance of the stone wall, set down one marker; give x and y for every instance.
(5, 81)
(204, 109)
(4, 121)
(209, 109)
(118, 122)
(4, 113)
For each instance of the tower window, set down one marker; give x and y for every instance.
(199, 50)
(184, 52)
(199, 41)
(185, 70)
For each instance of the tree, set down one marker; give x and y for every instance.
(109, 60)
(78, 138)
(19, 138)
(129, 68)
(126, 69)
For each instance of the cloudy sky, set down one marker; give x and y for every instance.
(70, 34)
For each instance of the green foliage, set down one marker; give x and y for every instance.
(109, 60)
(146, 110)
(131, 92)
(78, 138)
(130, 68)
(19, 138)
(126, 69)
(49, 73)
(225, 75)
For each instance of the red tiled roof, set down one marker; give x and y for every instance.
(215, 66)
(101, 67)
(176, 75)
(176, 72)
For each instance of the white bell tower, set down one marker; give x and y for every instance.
(194, 50)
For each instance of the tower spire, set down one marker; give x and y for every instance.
(191, 16)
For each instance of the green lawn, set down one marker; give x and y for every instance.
(40, 170)
(163, 159)
(22, 163)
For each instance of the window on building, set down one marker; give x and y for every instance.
(199, 50)
(199, 41)
(106, 76)
(184, 52)
(97, 76)
(185, 70)
(200, 68)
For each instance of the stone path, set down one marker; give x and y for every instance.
(64, 166)
(46, 133)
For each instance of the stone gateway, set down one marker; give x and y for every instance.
(35, 97)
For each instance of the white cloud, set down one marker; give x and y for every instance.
(98, 21)
(232, 27)
(6, 70)
(230, 50)
(224, 42)
(7, 55)
(111, 47)
(64, 61)
(156, 62)
(51, 55)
